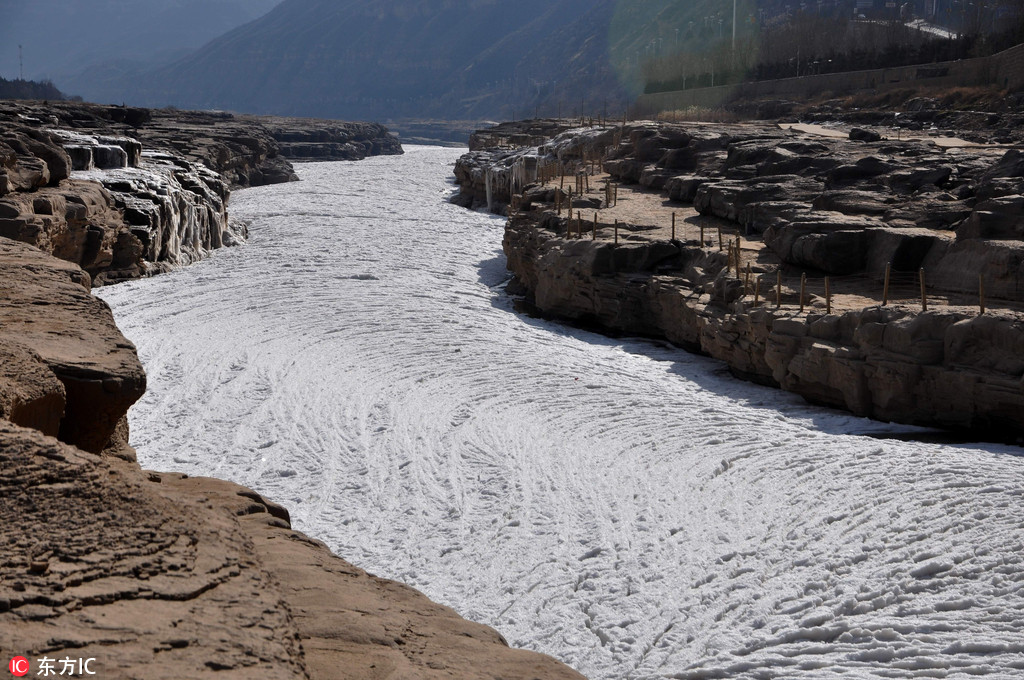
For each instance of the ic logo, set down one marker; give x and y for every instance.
(19, 666)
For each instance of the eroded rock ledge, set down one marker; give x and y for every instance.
(128, 192)
(162, 576)
(801, 205)
(309, 139)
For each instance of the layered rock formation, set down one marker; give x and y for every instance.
(307, 139)
(993, 116)
(49, 319)
(811, 206)
(498, 166)
(949, 367)
(125, 213)
(126, 192)
(160, 576)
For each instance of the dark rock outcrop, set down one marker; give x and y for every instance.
(862, 135)
(307, 139)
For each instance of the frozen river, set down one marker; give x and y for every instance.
(622, 505)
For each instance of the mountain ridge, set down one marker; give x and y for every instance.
(400, 59)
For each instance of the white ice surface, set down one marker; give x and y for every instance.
(624, 506)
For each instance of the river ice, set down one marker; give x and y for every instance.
(620, 504)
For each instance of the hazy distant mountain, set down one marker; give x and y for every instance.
(402, 58)
(83, 45)
(369, 59)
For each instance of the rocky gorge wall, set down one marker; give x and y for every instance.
(306, 139)
(126, 192)
(807, 207)
(950, 367)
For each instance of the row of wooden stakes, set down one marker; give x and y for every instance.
(734, 263)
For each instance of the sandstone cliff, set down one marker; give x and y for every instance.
(161, 576)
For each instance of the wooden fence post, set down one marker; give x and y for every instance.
(579, 224)
(720, 245)
(924, 297)
(981, 292)
(616, 232)
(803, 289)
(885, 288)
(593, 233)
(673, 226)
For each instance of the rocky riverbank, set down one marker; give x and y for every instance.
(127, 192)
(155, 575)
(780, 209)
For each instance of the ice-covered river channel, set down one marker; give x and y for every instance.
(624, 506)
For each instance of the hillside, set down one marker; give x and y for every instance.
(97, 48)
(437, 59)
(442, 59)
(404, 58)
